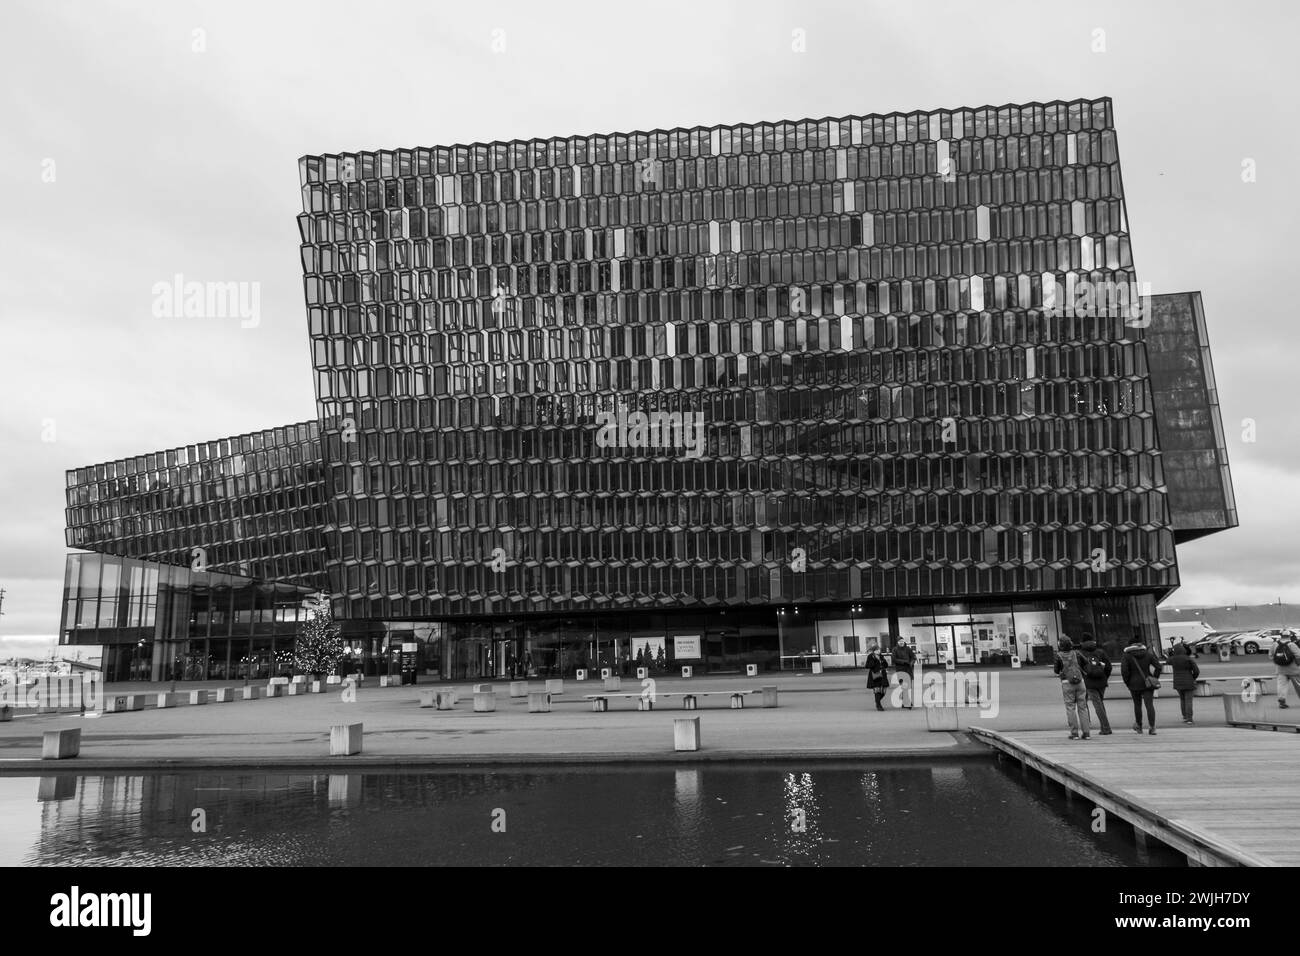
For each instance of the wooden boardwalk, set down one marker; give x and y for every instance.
(1222, 796)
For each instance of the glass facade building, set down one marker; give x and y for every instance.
(761, 394)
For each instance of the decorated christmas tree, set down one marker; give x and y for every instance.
(319, 646)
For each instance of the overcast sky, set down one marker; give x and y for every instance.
(142, 140)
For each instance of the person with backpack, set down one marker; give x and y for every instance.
(1096, 675)
(904, 660)
(1185, 672)
(1286, 658)
(1069, 667)
(1140, 672)
(877, 675)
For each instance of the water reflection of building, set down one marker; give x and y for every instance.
(901, 440)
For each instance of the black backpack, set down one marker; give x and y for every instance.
(1096, 667)
(1282, 654)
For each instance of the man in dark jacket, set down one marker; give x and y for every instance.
(1185, 671)
(1096, 676)
(904, 660)
(1139, 670)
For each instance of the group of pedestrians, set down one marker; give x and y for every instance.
(1085, 672)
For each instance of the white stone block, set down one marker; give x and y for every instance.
(198, 697)
(484, 703)
(345, 740)
(944, 718)
(688, 671)
(519, 688)
(555, 686)
(539, 702)
(686, 733)
(60, 744)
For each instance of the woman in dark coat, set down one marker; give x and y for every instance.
(1185, 672)
(1139, 670)
(877, 675)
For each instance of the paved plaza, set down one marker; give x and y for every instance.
(830, 715)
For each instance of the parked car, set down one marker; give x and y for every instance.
(1241, 642)
(1261, 642)
(1211, 643)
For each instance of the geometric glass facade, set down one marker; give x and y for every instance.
(760, 393)
(1187, 412)
(855, 330)
(250, 505)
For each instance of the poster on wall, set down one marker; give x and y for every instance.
(686, 648)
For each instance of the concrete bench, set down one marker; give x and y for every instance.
(519, 688)
(115, 705)
(600, 702)
(1214, 686)
(296, 689)
(275, 690)
(429, 698)
(225, 695)
(485, 702)
(252, 692)
(539, 702)
(198, 697)
(166, 700)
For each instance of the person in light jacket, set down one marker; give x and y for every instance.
(1185, 672)
(1288, 674)
(1140, 671)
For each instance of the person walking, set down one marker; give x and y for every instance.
(877, 675)
(1140, 672)
(1286, 658)
(1069, 666)
(1185, 671)
(904, 660)
(1096, 675)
